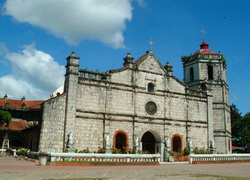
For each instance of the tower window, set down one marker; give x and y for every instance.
(191, 72)
(210, 72)
(151, 87)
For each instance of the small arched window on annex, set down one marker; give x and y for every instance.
(151, 87)
(120, 140)
(210, 72)
(177, 144)
(191, 73)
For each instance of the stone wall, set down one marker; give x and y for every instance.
(108, 106)
(52, 131)
(96, 106)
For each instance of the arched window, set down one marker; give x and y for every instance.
(191, 72)
(210, 72)
(151, 87)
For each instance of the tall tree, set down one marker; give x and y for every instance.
(240, 126)
(245, 129)
(235, 121)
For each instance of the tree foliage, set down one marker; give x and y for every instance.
(240, 126)
(245, 129)
(5, 117)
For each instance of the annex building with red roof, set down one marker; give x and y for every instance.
(24, 127)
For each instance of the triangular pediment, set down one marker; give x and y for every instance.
(150, 63)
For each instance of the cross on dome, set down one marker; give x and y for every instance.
(203, 34)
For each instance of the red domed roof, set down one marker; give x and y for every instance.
(204, 48)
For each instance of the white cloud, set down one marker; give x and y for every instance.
(3, 48)
(77, 20)
(17, 88)
(142, 3)
(35, 74)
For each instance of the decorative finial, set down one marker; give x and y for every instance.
(73, 56)
(23, 105)
(150, 43)
(6, 104)
(203, 34)
(128, 60)
(168, 68)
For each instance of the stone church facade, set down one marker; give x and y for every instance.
(141, 106)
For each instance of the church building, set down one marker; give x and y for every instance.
(141, 106)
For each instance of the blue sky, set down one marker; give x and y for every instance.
(36, 36)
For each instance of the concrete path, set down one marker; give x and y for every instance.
(14, 169)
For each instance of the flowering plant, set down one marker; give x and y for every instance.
(101, 150)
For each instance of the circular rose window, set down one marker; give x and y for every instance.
(151, 108)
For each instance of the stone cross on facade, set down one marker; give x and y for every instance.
(203, 34)
(151, 44)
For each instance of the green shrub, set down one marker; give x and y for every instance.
(171, 153)
(201, 151)
(22, 152)
(186, 151)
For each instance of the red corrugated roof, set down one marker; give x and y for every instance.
(18, 104)
(17, 125)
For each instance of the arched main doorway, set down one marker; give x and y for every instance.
(148, 142)
(177, 143)
(120, 140)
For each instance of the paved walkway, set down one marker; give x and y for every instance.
(14, 169)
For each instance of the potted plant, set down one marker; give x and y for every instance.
(43, 156)
(9, 152)
(22, 153)
(171, 156)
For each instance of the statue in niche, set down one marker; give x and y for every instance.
(106, 141)
(190, 144)
(212, 146)
(168, 143)
(136, 142)
(70, 141)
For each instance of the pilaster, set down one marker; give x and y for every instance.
(70, 88)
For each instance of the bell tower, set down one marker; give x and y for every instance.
(206, 70)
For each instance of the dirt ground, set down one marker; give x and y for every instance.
(13, 169)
